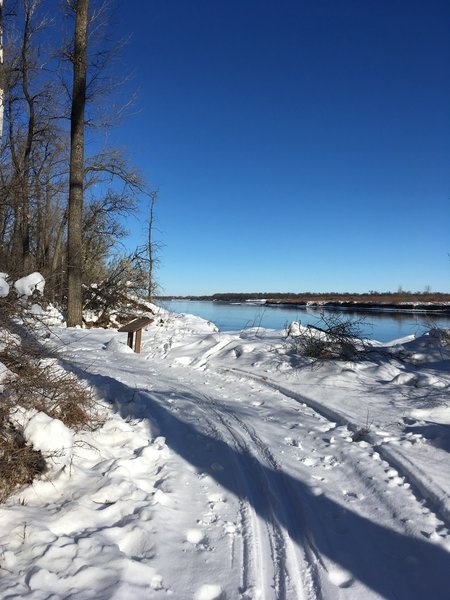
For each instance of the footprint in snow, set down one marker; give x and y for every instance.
(350, 496)
(329, 439)
(230, 528)
(216, 467)
(310, 462)
(292, 442)
(328, 462)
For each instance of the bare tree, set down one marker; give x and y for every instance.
(29, 135)
(151, 249)
(76, 180)
(42, 88)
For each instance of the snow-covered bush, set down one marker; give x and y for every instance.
(39, 400)
(336, 338)
(29, 285)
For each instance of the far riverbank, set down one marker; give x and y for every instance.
(404, 302)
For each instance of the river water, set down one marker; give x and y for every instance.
(381, 326)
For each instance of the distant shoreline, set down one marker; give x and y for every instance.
(399, 302)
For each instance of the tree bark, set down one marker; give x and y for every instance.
(30, 136)
(2, 76)
(75, 218)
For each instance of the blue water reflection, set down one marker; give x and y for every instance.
(382, 326)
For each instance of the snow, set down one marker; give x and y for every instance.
(50, 316)
(4, 285)
(26, 286)
(51, 437)
(229, 468)
(119, 346)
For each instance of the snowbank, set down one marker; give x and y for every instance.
(51, 437)
(48, 435)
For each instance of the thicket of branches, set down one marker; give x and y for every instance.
(33, 380)
(34, 158)
(334, 337)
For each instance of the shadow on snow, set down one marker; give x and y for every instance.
(394, 565)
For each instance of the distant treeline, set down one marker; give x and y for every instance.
(371, 297)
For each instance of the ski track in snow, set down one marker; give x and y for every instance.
(291, 576)
(282, 554)
(286, 564)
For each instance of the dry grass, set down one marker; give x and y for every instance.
(370, 298)
(42, 387)
(19, 463)
(41, 384)
(393, 299)
(57, 393)
(35, 383)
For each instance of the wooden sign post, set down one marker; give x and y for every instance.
(135, 327)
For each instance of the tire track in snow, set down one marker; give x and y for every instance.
(247, 517)
(269, 529)
(422, 487)
(289, 568)
(260, 538)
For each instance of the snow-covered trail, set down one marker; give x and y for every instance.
(296, 507)
(226, 473)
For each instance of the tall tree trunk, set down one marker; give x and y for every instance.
(2, 76)
(74, 247)
(25, 174)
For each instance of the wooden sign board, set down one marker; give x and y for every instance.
(135, 327)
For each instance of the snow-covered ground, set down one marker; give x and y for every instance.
(231, 469)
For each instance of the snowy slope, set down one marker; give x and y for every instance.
(231, 469)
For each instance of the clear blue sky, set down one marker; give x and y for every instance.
(297, 145)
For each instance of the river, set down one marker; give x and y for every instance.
(377, 325)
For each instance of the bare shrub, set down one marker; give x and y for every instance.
(40, 384)
(19, 463)
(50, 389)
(34, 381)
(117, 296)
(441, 335)
(336, 338)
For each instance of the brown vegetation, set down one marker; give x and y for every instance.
(34, 382)
(397, 298)
(336, 338)
(352, 300)
(19, 463)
